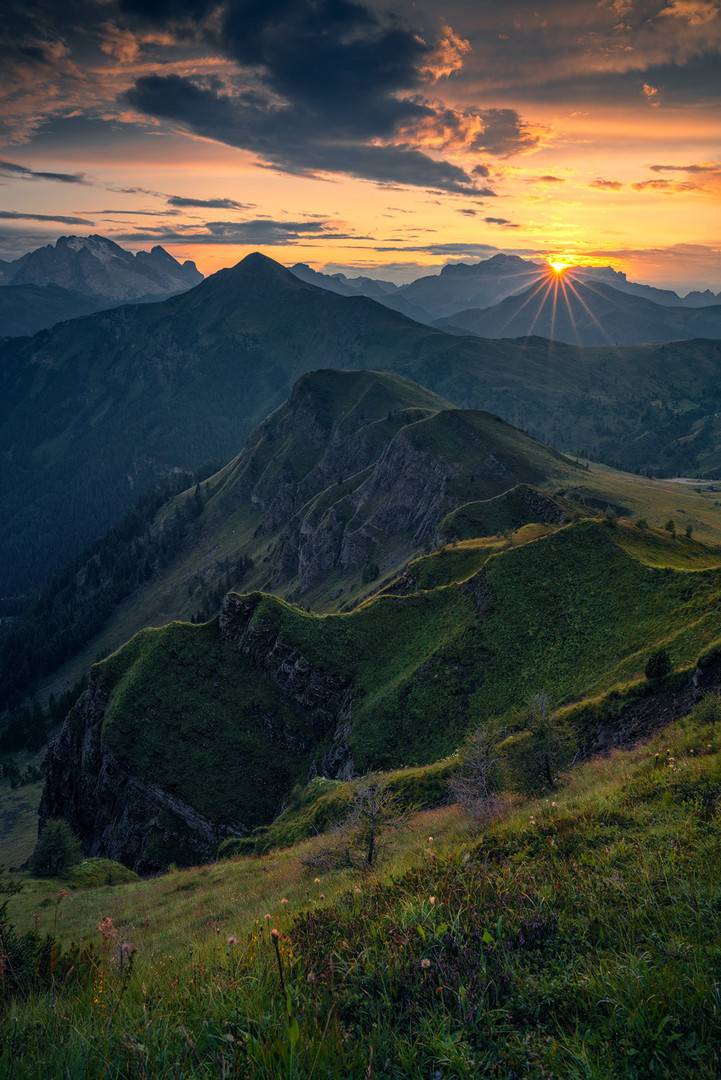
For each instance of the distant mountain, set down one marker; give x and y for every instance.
(567, 308)
(464, 285)
(96, 410)
(26, 309)
(461, 286)
(96, 266)
(385, 292)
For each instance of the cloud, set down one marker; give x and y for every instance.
(467, 210)
(16, 215)
(668, 187)
(288, 139)
(265, 231)
(694, 12)
(504, 133)
(501, 221)
(711, 167)
(606, 185)
(211, 204)
(11, 168)
(331, 86)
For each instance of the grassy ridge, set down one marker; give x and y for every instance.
(578, 940)
(571, 613)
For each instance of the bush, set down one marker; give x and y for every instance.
(658, 666)
(57, 850)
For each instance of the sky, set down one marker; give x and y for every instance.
(366, 138)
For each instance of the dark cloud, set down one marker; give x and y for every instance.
(480, 170)
(606, 185)
(547, 179)
(500, 221)
(482, 250)
(467, 210)
(504, 133)
(669, 187)
(289, 139)
(16, 215)
(257, 231)
(141, 213)
(336, 87)
(209, 204)
(10, 168)
(710, 168)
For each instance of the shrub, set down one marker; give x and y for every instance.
(658, 666)
(57, 850)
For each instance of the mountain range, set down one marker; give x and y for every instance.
(566, 308)
(94, 411)
(463, 286)
(81, 274)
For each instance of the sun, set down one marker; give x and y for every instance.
(558, 265)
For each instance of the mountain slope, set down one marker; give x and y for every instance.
(27, 309)
(565, 308)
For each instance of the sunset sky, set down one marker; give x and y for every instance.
(365, 137)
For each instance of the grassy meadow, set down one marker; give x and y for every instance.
(579, 937)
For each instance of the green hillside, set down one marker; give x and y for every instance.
(270, 692)
(576, 937)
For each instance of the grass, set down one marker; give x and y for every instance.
(578, 938)
(572, 611)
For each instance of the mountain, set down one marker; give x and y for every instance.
(96, 410)
(98, 267)
(190, 734)
(565, 308)
(385, 292)
(464, 285)
(334, 492)
(461, 286)
(26, 309)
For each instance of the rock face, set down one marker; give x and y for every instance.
(118, 813)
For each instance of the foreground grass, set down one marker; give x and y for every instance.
(580, 938)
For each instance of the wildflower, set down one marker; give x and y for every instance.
(232, 940)
(284, 901)
(62, 893)
(317, 881)
(553, 804)
(425, 963)
(106, 928)
(274, 934)
(433, 899)
(322, 896)
(357, 890)
(430, 839)
(128, 948)
(267, 916)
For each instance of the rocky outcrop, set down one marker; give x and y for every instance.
(120, 814)
(316, 699)
(114, 812)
